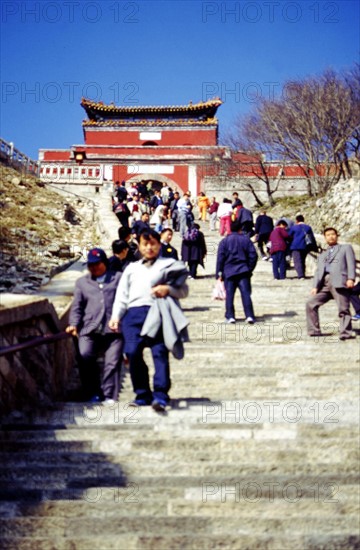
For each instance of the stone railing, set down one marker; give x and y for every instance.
(13, 157)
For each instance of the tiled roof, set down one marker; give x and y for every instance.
(99, 110)
(155, 122)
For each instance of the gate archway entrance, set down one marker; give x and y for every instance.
(157, 181)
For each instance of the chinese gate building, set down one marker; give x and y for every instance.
(172, 144)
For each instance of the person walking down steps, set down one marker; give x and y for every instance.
(146, 304)
(89, 316)
(193, 249)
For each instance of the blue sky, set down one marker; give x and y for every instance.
(158, 53)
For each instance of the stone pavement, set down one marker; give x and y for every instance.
(258, 450)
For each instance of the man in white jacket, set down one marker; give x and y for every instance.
(135, 296)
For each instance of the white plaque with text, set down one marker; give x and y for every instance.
(150, 169)
(147, 136)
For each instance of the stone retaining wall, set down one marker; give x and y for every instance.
(224, 187)
(38, 376)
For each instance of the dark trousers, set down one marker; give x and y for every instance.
(123, 218)
(104, 382)
(263, 239)
(243, 283)
(326, 293)
(175, 220)
(193, 265)
(132, 324)
(354, 298)
(279, 264)
(299, 259)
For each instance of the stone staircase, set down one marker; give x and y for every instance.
(259, 448)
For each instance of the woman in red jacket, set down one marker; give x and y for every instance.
(279, 239)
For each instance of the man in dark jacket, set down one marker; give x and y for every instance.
(245, 218)
(193, 249)
(121, 192)
(141, 225)
(236, 260)
(302, 242)
(118, 261)
(155, 201)
(174, 211)
(236, 201)
(126, 235)
(89, 317)
(263, 227)
(122, 213)
(166, 250)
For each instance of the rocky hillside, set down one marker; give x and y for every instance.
(340, 208)
(41, 231)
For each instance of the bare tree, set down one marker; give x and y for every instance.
(352, 151)
(315, 124)
(247, 135)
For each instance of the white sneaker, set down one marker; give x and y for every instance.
(249, 320)
(230, 321)
(109, 402)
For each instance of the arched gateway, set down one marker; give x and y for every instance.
(174, 144)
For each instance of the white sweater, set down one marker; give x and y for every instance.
(225, 209)
(135, 285)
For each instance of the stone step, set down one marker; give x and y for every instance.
(71, 527)
(123, 468)
(213, 431)
(247, 501)
(108, 473)
(253, 410)
(226, 450)
(190, 489)
(190, 542)
(229, 438)
(257, 429)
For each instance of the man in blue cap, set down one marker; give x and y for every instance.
(89, 317)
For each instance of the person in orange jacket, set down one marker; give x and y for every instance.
(203, 204)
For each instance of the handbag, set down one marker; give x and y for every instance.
(219, 292)
(308, 240)
(119, 208)
(309, 243)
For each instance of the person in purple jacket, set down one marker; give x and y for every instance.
(279, 239)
